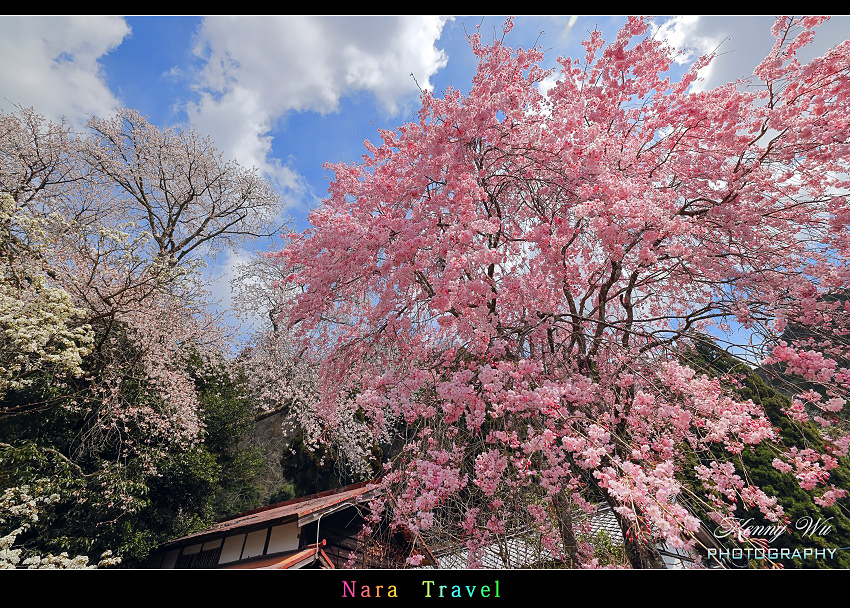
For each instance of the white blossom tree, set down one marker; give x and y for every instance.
(103, 234)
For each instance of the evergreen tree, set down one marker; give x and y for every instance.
(806, 524)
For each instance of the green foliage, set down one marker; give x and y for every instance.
(754, 464)
(310, 470)
(228, 419)
(105, 497)
(609, 551)
(286, 491)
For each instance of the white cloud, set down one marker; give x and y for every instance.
(680, 33)
(260, 68)
(220, 273)
(51, 64)
(687, 34)
(740, 41)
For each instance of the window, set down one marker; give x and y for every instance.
(204, 555)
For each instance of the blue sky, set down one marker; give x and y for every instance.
(289, 93)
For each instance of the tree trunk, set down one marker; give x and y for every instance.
(564, 514)
(642, 552)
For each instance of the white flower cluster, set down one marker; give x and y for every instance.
(21, 505)
(36, 319)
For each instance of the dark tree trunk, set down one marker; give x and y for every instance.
(564, 514)
(641, 551)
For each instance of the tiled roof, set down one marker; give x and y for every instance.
(523, 549)
(515, 551)
(605, 521)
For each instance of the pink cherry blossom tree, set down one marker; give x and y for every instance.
(513, 278)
